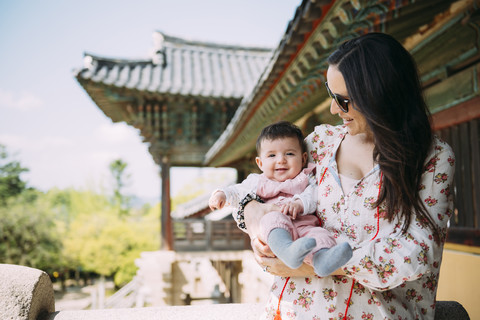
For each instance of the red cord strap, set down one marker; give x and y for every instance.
(277, 315)
(349, 298)
(378, 207)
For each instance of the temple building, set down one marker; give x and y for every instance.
(181, 99)
(202, 104)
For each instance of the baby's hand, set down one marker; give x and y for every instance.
(293, 208)
(217, 200)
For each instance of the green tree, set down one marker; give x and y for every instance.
(11, 184)
(72, 229)
(120, 181)
(28, 233)
(104, 244)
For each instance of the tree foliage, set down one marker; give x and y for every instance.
(69, 229)
(120, 181)
(104, 244)
(28, 233)
(73, 229)
(11, 184)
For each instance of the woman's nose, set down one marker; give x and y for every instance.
(334, 109)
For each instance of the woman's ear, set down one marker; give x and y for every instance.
(259, 162)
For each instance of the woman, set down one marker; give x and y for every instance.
(384, 187)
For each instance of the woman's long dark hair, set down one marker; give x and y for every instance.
(382, 81)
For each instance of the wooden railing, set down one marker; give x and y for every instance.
(205, 235)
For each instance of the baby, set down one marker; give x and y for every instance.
(292, 232)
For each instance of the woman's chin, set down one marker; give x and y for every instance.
(351, 131)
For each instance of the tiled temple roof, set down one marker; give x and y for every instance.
(181, 98)
(182, 67)
(198, 208)
(192, 207)
(199, 205)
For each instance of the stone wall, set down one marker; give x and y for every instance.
(27, 294)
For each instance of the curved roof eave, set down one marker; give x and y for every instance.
(291, 87)
(307, 17)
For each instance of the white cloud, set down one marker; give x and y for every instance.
(34, 144)
(14, 141)
(117, 133)
(23, 101)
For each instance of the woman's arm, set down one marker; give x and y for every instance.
(395, 257)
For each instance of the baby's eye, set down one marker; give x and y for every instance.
(290, 154)
(271, 155)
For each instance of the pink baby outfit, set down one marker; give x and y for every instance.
(305, 225)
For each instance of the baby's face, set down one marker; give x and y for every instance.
(281, 159)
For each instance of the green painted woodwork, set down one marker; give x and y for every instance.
(453, 90)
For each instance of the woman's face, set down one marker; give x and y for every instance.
(353, 119)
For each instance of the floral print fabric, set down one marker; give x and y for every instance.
(393, 276)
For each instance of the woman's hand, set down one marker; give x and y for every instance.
(267, 260)
(261, 249)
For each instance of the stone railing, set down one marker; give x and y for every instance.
(200, 312)
(27, 294)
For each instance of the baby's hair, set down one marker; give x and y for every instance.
(280, 130)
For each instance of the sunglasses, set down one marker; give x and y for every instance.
(341, 101)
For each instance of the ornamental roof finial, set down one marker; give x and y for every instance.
(159, 56)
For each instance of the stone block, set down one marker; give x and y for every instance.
(25, 293)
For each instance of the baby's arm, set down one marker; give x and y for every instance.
(217, 200)
(231, 195)
(293, 208)
(308, 197)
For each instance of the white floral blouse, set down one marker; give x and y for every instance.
(393, 276)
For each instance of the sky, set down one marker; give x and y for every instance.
(49, 123)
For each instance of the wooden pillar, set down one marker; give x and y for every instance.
(166, 220)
